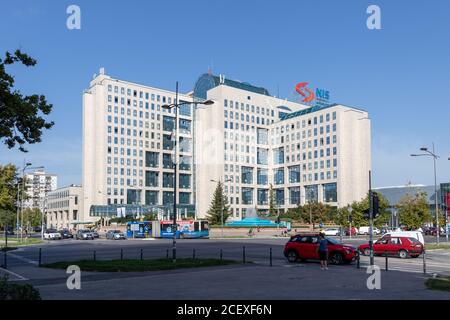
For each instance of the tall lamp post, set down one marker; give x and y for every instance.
(221, 201)
(176, 105)
(429, 153)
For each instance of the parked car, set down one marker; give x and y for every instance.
(52, 234)
(304, 247)
(402, 247)
(66, 234)
(354, 231)
(95, 234)
(37, 229)
(413, 234)
(115, 235)
(332, 231)
(84, 235)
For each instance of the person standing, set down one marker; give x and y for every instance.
(322, 249)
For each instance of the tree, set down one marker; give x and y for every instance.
(32, 217)
(360, 207)
(272, 205)
(20, 116)
(414, 211)
(8, 194)
(219, 206)
(316, 211)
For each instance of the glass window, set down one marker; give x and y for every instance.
(262, 176)
(278, 176)
(151, 159)
(330, 192)
(263, 198)
(151, 197)
(294, 195)
(247, 196)
(294, 174)
(247, 175)
(167, 180)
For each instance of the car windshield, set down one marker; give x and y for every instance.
(332, 241)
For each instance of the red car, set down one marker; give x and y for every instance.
(402, 247)
(304, 247)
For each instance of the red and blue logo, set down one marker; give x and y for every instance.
(309, 95)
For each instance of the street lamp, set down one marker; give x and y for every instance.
(432, 154)
(221, 200)
(350, 209)
(176, 105)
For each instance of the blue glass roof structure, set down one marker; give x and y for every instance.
(208, 81)
(305, 111)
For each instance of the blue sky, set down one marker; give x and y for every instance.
(399, 74)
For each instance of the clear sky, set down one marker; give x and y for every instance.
(399, 74)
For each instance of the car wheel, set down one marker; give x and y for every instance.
(403, 254)
(336, 258)
(292, 256)
(366, 252)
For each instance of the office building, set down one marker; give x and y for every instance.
(248, 139)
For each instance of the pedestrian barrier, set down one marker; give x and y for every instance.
(386, 263)
(40, 257)
(243, 254)
(193, 253)
(142, 254)
(221, 255)
(358, 261)
(270, 256)
(95, 256)
(5, 259)
(424, 259)
(167, 253)
(121, 254)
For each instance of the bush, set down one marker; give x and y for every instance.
(14, 291)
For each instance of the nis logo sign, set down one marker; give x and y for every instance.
(308, 95)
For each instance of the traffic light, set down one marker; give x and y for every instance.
(367, 214)
(350, 218)
(376, 205)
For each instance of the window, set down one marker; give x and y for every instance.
(278, 176)
(167, 180)
(168, 123)
(278, 155)
(330, 192)
(247, 175)
(247, 196)
(311, 193)
(185, 181)
(262, 177)
(294, 174)
(151, 197)
(151, 159)
(167, 161)
(263, 198)
(294, 195)
(151, 178)
(167, 197)
(262, 156)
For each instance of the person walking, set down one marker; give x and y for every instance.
(322, 249)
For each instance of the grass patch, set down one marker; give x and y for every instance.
(441, 283)
(138, 265)
(431, 246)
(14, 243)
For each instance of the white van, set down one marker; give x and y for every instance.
(366, 231)
(411, 234)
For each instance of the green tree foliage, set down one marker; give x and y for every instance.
(272, 205)
(21, 118)
(8, 194)
(316, 211)
(32, 217)
(218, 203)
(359, 207)
(414, 211)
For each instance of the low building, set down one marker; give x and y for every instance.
(396, 193)
(63, 207)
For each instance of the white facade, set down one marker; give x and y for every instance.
(128, 147)
(241, 139)
(37, 185)
(247, 138)
(63, 207)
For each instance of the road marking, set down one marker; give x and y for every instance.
(23, 259)
(20, 278)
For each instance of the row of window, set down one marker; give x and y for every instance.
(329, 192)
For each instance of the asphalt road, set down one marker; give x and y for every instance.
(256, 250)
(405, 278)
